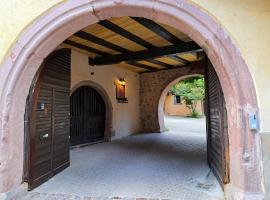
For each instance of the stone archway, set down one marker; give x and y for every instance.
(49, 30)
(108, 122)
(164, 94)
(154, 88)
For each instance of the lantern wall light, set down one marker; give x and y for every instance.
(121, 90)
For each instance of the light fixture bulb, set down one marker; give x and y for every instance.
(122, 81)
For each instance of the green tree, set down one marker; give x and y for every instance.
(191, 90)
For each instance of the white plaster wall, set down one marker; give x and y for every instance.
(125, 115)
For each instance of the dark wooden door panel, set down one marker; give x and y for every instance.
(87, 116)
(40, 163)
(217, 136)
(49, 119)
(61, 130)
(77, 117)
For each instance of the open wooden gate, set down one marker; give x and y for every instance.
(49, 124)
(87, 116)
(217, 127)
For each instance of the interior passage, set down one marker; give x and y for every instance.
(169, 165)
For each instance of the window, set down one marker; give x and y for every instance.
(177, 99)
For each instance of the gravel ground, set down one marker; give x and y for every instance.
(170, 165)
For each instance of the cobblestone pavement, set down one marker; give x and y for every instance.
(170, 165)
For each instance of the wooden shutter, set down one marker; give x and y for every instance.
(49, 119)
(217, 132)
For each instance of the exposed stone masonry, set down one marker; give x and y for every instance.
(151, 87)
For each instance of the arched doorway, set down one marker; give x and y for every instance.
(88, 115)
(215, 111)
(51, 29)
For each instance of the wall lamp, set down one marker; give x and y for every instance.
(121, 90)
(122, 81)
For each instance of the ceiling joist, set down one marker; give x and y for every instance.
(168, 56)
(91, 38)
(123, 32)
(178, 59)
(147, 54)
(200, 63)
(159, 30)
(160, 63)
(140, 65)
(86, 48)
(134, 38)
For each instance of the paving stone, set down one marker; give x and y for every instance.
(169, 165)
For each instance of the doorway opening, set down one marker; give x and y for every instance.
(139, 65)
(184, 109)
(186, 98)
(184, 119)
(207, 92)
(87, 116)
(163, 50)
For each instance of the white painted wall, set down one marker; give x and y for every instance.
(125, 115)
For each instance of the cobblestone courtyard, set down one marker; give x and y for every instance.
(170, 165)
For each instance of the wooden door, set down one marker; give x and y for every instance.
(217, 127)
(87, 116)
(49, 119)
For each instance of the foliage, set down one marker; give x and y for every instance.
(191, 90)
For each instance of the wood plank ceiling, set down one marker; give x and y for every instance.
(138, 44)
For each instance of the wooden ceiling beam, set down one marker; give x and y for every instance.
(200, 63)
(134, 38)
(131, 57)
(157, 29)
(160, 63)
(100, 41)
(143, 66)
(148, 54)
(133, 63)
(92, 50)
(86, 48)
(123, 32)
(179, 59)
(162, 32)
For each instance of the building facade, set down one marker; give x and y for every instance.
(175, 106)
(234, 35)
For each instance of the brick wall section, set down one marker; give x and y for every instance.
(151, 87)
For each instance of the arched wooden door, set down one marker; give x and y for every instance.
(49, 122)
(87, 109)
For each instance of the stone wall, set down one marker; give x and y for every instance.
(152, 86)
